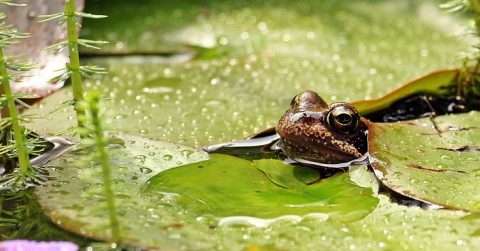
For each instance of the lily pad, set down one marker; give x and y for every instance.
(281, 174)
(229, 186)
(437, 82)
(342, 50)
(416, 160)
(318, 29)
(74, 200)
(197, 103)
(191, 199)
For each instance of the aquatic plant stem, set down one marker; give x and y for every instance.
(20, 141)
(100, 143)
(74, 65)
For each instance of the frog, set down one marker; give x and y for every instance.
(312, 132)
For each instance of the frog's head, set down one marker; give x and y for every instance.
(314, 131)
(308, 101)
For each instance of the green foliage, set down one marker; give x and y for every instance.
(413, 159)
(93, 127)
(20, 140)
(247, 94)
(160, 220)
(17, 214)
(472, 7)
(21, 217)
(468, 81)
(70, 16)
(87, 112)
(8, 36)
(78, 181)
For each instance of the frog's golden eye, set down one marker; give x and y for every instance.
(343, 118)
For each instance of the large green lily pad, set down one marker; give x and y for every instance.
(74, 200)
(414, 159)
(309, 29)
(229, 186)
(192, 199)
(341, 49)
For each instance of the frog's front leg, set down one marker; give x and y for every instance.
(261, 143)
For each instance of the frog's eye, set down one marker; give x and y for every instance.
(342, 118)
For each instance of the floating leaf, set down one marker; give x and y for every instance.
(414, 159)
(229, 186)
(189, 200)
(342, 49)
(288, 50)
(74, 198)
(276, 171)
(437, 82)
(287, 28)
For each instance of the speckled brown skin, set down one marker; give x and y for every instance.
(305, 134)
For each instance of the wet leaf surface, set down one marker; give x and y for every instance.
(437, 82)
(414, 159)
(340, 49)
(229, 186)
(193, 197)
(74, 200)
(295, 28)
(279, 173)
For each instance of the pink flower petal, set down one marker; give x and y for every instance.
(25, 245)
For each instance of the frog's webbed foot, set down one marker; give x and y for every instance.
(260, 145)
